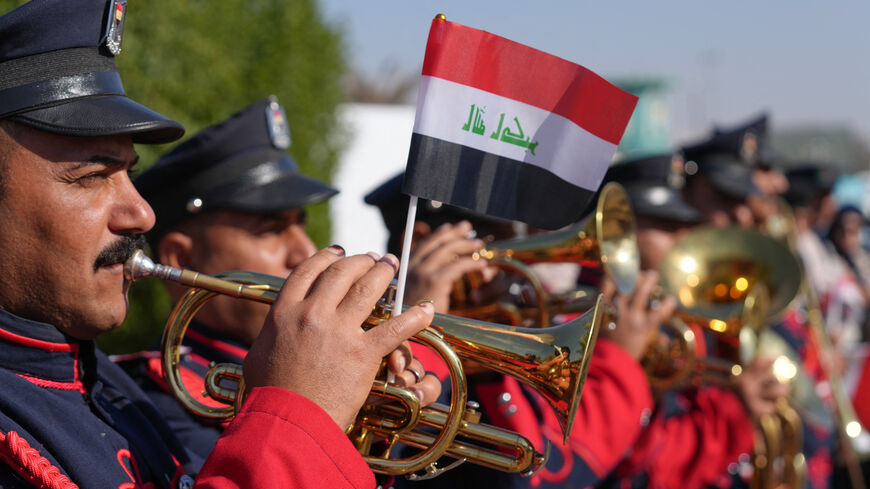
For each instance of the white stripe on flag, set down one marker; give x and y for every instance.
(563, 147)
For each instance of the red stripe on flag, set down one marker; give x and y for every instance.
(488, 62)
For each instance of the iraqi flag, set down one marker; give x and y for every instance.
(506, 130)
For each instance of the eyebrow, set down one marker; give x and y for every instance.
(106, 160)
(298, 216)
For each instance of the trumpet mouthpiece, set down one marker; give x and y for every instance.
(140, 266)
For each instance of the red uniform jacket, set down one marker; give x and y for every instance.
(695, 440)
(70, 418)
(281, 439)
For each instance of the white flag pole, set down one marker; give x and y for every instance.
(406, 254)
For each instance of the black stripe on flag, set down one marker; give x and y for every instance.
(493, 185)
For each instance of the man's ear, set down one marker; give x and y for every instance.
(176, 250)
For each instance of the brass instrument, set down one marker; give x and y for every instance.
(554, 361)
(730, 281)
(605, 241)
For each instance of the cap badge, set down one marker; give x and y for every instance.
(676, 177)
(749, 148)
(194, 205)
(115, 26)
(279, 131)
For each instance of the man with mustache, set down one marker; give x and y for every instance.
(68, 416)
(231, 198)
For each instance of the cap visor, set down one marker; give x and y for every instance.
(661, 203)
(107, 115)
(291, 191)
(735, 180)
(672, 211)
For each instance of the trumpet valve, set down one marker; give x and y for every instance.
(472, 412)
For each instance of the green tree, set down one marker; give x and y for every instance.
(198, 61)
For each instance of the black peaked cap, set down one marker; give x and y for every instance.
(240, 163)
(654, 186)
(58, 73)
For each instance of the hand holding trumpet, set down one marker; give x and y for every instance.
(312, 344)
(638, 317)
(439, 260)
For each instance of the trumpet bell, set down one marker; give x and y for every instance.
(554, 361)
(729, 281)
(711, 271)
(607, 239)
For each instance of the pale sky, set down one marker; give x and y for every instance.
(803, 62)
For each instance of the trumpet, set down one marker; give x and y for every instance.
(553, 361)
(605, 241)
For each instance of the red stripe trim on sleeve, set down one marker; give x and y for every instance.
(488, 62)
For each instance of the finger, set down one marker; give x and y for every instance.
(388, 335)
(456, 246)
(300, 280)
(412, 374)
(428, 389)
(400, 358)
(370, 286)
(334, 283)
(454, 270)
(449, 253)
(665, 309)
(608, 289)
(645, 284)
(445, 233)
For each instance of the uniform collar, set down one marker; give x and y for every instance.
(42, 354)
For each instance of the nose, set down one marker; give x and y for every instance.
(131, 213)
(300, 246)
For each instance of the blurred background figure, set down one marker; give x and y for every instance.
(809, 195)
(848, 297)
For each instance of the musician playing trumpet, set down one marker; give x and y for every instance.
(216, 212)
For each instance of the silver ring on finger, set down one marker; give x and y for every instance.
(417, 374)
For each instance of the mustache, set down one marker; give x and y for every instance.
(120, 251)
